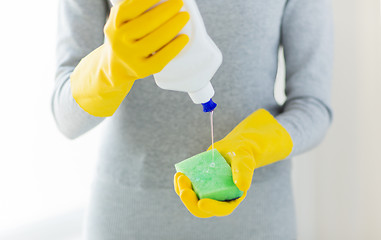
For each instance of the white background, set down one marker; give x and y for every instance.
(42, 174)
(338, 185)
(44, 178)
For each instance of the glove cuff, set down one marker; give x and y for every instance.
(268, 140)
(92, 88)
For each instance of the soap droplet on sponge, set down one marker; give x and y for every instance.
(212, 164)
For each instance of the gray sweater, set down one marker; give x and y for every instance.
(132, 193)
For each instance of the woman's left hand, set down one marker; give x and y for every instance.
(257, 141)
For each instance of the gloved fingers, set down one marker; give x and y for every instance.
(190, 200)
(203, 208)
(175, 182)
(184, 183)
(162, 57)
(163, 35)
(128, 10)
(152, 19)
(188, 196)
(219, 208)
(242, 169)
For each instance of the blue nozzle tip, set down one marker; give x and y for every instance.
(209, 106)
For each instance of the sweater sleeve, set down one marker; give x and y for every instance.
(307, 39)
(80, 31)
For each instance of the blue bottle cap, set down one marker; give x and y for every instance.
(209, 106)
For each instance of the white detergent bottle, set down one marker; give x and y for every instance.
(193, 68)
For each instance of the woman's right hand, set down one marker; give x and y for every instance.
(145, 41)
(141, 39)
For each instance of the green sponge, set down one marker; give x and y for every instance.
(211, 177)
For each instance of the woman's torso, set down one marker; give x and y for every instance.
(153, 129)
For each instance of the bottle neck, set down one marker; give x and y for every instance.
(203, 95)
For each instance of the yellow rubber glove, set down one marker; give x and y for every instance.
(140, 41)
(257, 141)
